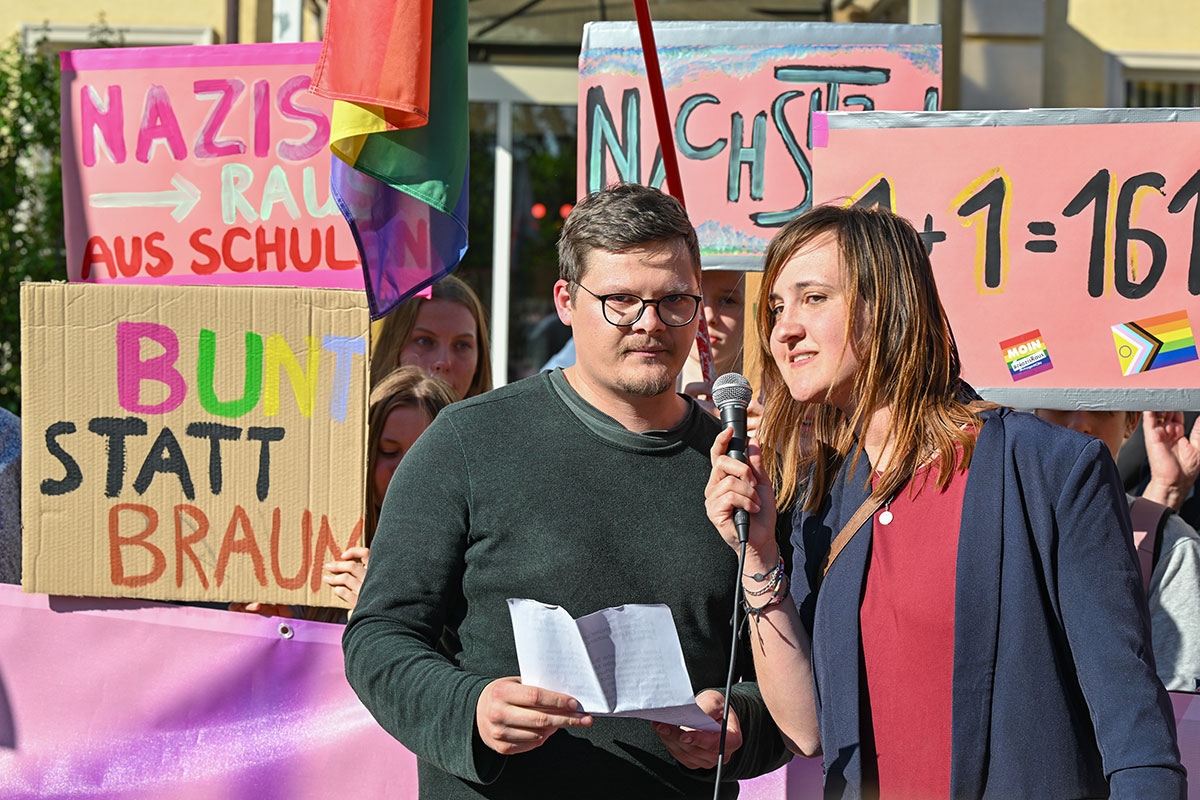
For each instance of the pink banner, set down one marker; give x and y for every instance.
(1187, 720)
(123, 700)
(120, 699)
(200, 165)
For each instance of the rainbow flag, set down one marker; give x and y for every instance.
(1154, 342)
(1026, 355)
(397, 72)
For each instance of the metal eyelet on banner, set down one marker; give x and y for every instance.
(286, 631)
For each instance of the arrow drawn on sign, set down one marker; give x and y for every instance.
(184, 198)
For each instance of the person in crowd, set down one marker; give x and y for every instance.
(446, 335)
(580, 488)
(1161, 461)
(1173, 585)
(10, 497)
(724, 310)
(402, 406)
(965, 572)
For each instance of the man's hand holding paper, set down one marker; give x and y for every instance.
(512, 717)
(698, 749)
(624, 661)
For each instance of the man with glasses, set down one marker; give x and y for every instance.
(581, 488)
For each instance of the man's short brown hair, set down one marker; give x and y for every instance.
(622, 217)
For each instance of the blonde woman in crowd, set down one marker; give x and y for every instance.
(446, 335)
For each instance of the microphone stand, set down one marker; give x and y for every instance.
(733, 650)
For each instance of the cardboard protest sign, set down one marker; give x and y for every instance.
(191, 443)
(740, 96)
(1065, 243)
(200, 165)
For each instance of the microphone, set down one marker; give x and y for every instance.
(731, 392)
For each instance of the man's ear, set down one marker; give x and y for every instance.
(562, 302)
(1131, 423)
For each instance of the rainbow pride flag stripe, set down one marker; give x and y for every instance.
(1026, 355)
(1154, 342)
(397, 72)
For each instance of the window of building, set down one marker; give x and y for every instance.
(1159, 80)
(1181, 92)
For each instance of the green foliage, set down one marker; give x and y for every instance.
(31, 214)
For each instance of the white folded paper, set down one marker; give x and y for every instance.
(621, 662)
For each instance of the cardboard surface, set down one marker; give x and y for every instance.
(1065, 243)
(740, 97)
(191, 443)
(200, 165)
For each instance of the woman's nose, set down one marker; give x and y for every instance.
(786, 327)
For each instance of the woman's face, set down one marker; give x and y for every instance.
(809, 307)
(401, 428)
(443, 343)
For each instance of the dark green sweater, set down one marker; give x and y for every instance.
(528, 492)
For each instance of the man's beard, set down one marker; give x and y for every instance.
(643, 384)
(647, 385)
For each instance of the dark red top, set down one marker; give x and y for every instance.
(907, 620)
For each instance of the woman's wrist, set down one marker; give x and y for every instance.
(759, 562)
(770, 596)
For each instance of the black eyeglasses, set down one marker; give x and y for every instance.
(620, 309)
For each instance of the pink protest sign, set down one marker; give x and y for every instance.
(200, 165)
(741, 97)
(1066, 243)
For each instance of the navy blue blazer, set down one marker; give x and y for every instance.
(1054, 689)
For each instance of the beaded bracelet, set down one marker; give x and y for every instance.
(776, 598)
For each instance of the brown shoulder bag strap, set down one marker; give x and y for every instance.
(864, 512)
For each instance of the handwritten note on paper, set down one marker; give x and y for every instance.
(624, 661)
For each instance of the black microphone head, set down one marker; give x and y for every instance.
(732, 389)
